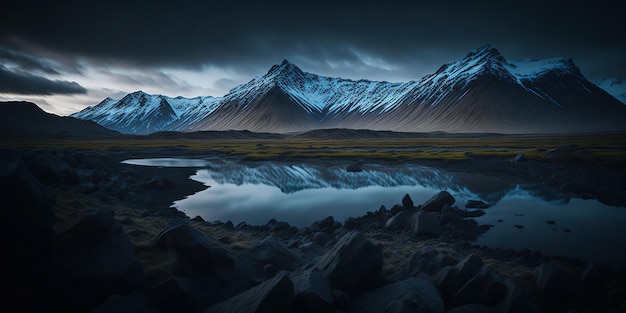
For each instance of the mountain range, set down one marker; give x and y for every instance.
(482, 92)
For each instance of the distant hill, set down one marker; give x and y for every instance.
(24, 119)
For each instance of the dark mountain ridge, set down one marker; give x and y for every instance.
(480, 93)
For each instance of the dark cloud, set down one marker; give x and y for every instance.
(28, 84)
(415, 37)
(25, 61)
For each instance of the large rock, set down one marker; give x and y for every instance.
(596, 274)
(270, 251)
(474, 308)
(430, 260)
(398, 221)
(354, 264)
(26, 211)
(122, 304)
(426, 223)
(97, 257)
(484, 288)
(312, 292)
(553, 282)
(407, 202)
(272, 296)
(414, 294)
(517, 299)
(450, 279)
(437, 202)
(192, 250)
(173, 294)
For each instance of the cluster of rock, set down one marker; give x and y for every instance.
(326, 267)
(436, 217)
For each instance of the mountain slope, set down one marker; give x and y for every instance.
(616, 87)
(19, 119)
(142, 113)
(481, 92)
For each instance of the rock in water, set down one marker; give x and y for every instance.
(272, 296)
(407, 202)
(437, 202)
(476, 204)
(415, 294)
(354, 264)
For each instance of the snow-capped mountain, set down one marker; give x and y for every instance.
(615, 86)
(482, 92)
(142, 113)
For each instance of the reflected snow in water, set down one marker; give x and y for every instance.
(303, 193)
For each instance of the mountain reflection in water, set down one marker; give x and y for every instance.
(303, 193)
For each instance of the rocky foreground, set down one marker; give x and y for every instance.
(85, 241)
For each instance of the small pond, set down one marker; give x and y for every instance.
(547, 221)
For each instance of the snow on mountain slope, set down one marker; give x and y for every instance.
(321, 94)
(615, 86)
(481, 92)
(142, 113)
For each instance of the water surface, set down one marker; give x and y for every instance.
(303, 193)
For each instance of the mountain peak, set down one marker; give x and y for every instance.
(486, 53)
(284, 68)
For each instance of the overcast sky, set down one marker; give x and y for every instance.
(68, 55)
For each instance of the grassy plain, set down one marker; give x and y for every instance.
(607, 149)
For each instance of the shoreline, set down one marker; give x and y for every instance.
(139, 198)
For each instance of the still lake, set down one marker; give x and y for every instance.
(303, 193)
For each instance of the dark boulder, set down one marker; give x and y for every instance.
(275, 226)
(430, 260)
(450, 279)
(426, 223)
(437, 202)
(270, 251)
(407, 202)
(398, 221)
(554, 282)
(97, 258)
(354, 264)
(173, 294)
(327, 223)
(596, 274)
(476, 204)
(122, 304)
(25, 207)
(312, 292)
(474, 308)
(415, 294)
(483, 288)
(517, 299)
(272, 296)
(342, 299)
(191, 249)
